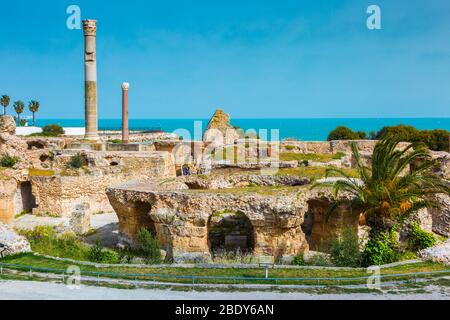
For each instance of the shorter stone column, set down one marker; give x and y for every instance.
(125, 131)
(80, 220)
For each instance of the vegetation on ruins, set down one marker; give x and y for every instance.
(4, 101)
(345, 133)
(76, 161)
(18, 106)
(420, 239)
(8, 161)
(33, 106)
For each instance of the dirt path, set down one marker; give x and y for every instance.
(45, 290)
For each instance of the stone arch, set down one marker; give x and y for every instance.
(230, 231)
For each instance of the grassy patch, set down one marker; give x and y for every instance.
(262, 190)
(32, 172)
(289, 156)
(167, 274)
(44, 240)
(313, 172)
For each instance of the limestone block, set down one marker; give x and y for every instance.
(441, 216)
(16, 243)
(7, 125)
(80, 220)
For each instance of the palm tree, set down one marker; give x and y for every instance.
(4, 101)
(18, 107)
(33, 106)
(388, 192)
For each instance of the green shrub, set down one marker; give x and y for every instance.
(52, 130)
(102, 255)
(382, 248)
(76, 161)
(8, 161)
(345, 133)
(420, 239)
(148, 247)
(298, 260)
(345, 250)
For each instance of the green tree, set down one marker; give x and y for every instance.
(4, 101)
(33, 106)
(345, 133)
(435, 139)
(19, 106)
(388, 192)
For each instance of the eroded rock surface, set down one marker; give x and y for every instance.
(439, 253)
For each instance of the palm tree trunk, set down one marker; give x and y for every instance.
(18, 119)
(4, 111)
(34, 120)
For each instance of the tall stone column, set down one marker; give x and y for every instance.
(125, 131)
(90, 80)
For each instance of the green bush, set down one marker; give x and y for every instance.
(345, 250)
(102, 255)
(436, 140)
(382, 248)
(148, 247)
(8, 161)
(345, 133)
(52, 130)
(76, 161)
(420, 239)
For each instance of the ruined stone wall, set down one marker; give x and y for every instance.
(59, 195)
(7, 191)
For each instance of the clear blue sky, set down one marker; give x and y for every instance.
(254, 58)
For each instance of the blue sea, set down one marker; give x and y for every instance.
(316, 129)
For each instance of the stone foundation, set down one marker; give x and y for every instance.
(185, 221)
